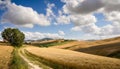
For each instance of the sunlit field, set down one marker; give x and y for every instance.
(5, 56)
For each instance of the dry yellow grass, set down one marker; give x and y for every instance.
(5, 56)
(76, 45)
(75, 60)
(72, 45)
(107, 47)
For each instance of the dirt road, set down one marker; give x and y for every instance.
(30, 64)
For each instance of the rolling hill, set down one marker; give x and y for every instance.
(66, 59)
(107, 47)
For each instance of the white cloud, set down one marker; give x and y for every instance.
(63, 19)
(113, 16)
(76, 28)
(89, 28)
(80, 20)
(82, 6)
(39, 35)
(89, 6)
(0, 36)
(81, 13)
(24, 16)
(61, 32)
(49, 11)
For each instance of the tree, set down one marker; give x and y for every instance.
(14, 36)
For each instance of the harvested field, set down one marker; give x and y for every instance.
(66, 59)
(5, 56)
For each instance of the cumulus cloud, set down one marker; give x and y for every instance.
(23, 16)
(61, 32)
(89, 6)
(89, 28)
(0, 36)
(80, 20)
(39, 35)
(49, 11)
(81, 13)
(62, 19)
(76, 28)
(82, 6)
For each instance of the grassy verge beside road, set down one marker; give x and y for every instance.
(17, 62)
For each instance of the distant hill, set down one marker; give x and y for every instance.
(45, 39)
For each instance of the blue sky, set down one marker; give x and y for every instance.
(76, 19)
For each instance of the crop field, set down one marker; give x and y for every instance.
(66, 59)
(5, 56)
(62, 54)
(95, 43)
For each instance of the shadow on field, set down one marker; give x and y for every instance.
(110, 50)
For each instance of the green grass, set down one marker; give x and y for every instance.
(17, 62)
(48, 44)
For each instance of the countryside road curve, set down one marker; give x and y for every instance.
(31, 65)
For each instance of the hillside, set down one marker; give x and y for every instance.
(104, 49)
(65, 59)
(76, 45)
(108, 47)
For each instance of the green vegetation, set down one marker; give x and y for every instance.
(55, 43)
(13, 36)
(17, 62)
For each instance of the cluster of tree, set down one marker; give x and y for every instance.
(14, 36)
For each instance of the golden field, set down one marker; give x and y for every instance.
(107, 47)
(67, 59)
(67, 55)
(5, 56)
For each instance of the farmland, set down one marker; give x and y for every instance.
(61, 59)
(60, 54)
(5, 56)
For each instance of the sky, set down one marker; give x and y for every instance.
(69, 19)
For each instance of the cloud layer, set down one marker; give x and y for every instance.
(81, 13)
